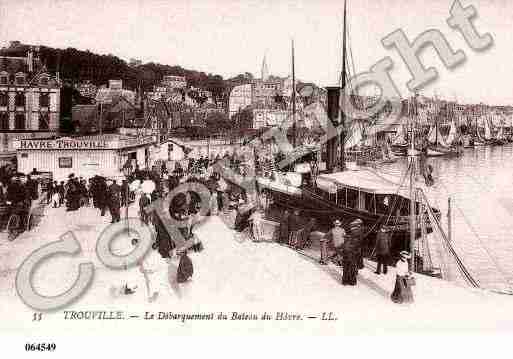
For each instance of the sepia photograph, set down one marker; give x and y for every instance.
(292, 167)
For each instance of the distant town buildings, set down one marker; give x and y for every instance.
(112, 93)
(264, 117)
(177, 82)
(87, 89)
(134, 62)
(268, 98)
(240, 97)
(114, 107)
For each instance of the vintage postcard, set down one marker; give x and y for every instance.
(332, 167)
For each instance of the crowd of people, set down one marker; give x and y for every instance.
(17, 192)
(346, 249)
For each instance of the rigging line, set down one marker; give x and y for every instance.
(459, 262)
(488, 252)
(467, 220)
(350, 50)
(393, 207)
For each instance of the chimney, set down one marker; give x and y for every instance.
(30, 60)
(333, 116)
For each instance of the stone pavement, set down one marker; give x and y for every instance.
(233, 276)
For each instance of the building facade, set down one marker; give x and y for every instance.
(240, 97)
(29, 101)
(174, 81)
(84, 156)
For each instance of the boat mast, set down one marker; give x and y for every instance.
(293, 98)
(413, 223)
(343, 92)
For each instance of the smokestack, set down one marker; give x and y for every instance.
(333, 116)
(30, 60)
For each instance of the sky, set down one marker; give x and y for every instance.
(229, 37)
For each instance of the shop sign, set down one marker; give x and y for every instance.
(62, 144)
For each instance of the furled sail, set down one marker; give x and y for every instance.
(400, 138)
(500, 133)
(453, 134)
(435, 137)
(488, 130)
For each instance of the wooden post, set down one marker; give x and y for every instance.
(101, 117)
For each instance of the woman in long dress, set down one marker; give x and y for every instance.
(402, 291)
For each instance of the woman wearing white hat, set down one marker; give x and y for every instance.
(402, 291)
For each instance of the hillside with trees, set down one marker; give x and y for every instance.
(77, 65)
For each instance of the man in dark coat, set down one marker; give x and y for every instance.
(62, 190)
(284, 227)
(32, 187)
(93, 188)
(185, 268)
(72, 194)
(164, 242)
(50, 191)
(173, 181)
(352, 253)
(15, 192)
(101, 190)
(357, 233)
(124, 192)
(114, 201)
(382, 250)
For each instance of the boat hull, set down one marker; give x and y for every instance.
(326, 212)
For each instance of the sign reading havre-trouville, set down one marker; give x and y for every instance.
(82, 144)
(61, 144)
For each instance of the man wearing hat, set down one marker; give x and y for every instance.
(352, 258)
(336, 236)
(357, 232)
(114, 200)
(382, 249)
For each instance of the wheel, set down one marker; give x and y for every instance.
(12, 226)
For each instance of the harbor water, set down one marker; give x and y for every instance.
(480, 185)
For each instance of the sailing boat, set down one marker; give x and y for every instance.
(437, 144)
(387, 153)
(453, 136)
(377, 198)
(399, 144)
(488, 138)
(479, 140)
(500, 138)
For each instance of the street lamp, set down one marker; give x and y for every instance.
(127, 171)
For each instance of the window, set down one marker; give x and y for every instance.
(4, 99)
(4, 80)
(44, 100)
(19, 121)
(20, 80)
(65, 162)
(44, 121)
(4, 121)
(20, 99)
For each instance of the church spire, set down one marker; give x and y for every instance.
(265, 70)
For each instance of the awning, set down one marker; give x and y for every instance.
(365, 180)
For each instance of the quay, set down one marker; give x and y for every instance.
(249, 276)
